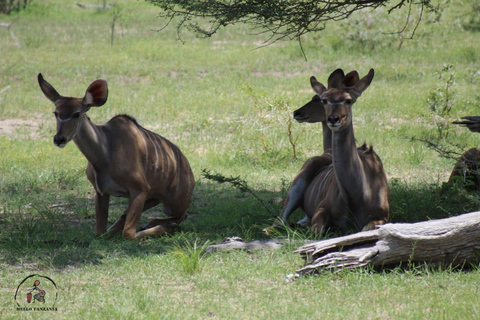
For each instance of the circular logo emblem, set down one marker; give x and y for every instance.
(36, 292)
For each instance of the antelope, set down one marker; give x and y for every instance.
(346, 186)
(311, 112)
(124, 160)
(467, 167)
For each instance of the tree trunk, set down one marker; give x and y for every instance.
(452, 241)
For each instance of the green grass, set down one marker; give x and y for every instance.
(211, 97)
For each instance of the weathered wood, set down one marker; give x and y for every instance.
(8, 24)
(236, 243)
(451, 241)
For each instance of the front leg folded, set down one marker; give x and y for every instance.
(133, 214)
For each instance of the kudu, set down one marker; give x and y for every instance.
(311, 112)
(467, 168)
(124, 160)
(345, 187)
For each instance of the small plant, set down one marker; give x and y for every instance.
(271, 112)
(190, 256)
(441, 102)
(442, 99)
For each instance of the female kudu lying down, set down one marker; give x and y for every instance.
(345, 187)
(124, 160)
(467, 168)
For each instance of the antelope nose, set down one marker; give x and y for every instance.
(296, 114)
(333, 119)
(59, 141)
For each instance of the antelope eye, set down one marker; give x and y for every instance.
(348, 101)
(76, 115)
(324, 101)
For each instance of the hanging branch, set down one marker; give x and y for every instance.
(280, 19)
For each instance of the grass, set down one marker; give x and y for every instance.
(223, 102)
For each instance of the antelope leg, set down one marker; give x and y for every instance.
(101, 213)
(133, 213)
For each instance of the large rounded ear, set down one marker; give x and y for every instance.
(350, 79)
(47, 89)
(336, 78)
(96, 94)
(363, 84)
(317, 86)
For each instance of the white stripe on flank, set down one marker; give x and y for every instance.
(155, 147)
(96, 183)
(146, 149)
(179, 167)
(188, 179)
(321, 183)
(167, 155)
(158, 142)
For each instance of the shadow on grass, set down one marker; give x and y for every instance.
(57, 236)
(52, 233)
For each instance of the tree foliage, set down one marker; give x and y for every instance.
(279, 19)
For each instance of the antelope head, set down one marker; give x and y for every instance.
(340, 96)
(69, 112)
(314, 110)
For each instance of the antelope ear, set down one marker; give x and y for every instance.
(351, 79)
(96, 94)
(317, 86)
(47, 89)
(335, 79)
(363, 84)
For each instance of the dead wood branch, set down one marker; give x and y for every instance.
(236, 243)
(8, 24)
(4, 89)
(94, 7)
(451, 241)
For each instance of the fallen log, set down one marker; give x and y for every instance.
(452, 241)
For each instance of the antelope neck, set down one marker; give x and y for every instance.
(91, 142)
(347, 163)
(327, 136)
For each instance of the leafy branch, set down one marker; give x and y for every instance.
(279, 19)
(239, 184)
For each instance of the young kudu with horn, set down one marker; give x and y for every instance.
(345, 187)
(124, 160)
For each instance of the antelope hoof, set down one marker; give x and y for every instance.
(304, 222)
(170, 227)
